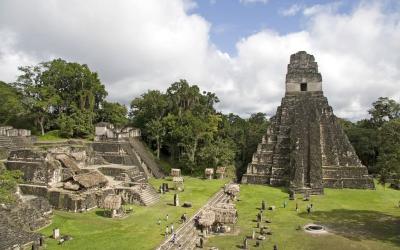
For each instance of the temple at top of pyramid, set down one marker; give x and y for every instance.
(305, 147)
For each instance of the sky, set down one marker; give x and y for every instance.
(238, 49)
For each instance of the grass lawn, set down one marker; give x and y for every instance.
(358, 219)
(139, 230)
(50, 136)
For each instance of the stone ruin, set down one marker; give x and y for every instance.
(19, 221)
(107, 131)
(123, 146)
(12, 138)
(305, 147)
(67, 176)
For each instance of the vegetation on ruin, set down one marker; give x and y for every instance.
(8, 184)
(356, 219)
(139, 230)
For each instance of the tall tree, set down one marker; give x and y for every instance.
(156, 131)
(113, 112)
(40, 96)
(384, 109)
(58, 89)
(389, 157)
(152, 105)
(11, 105)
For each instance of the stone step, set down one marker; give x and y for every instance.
(149, 196)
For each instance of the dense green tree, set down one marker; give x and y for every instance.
(113, 112)
(58, 89)
(40, 96)
(389, 157)
(152, 105)
(384, 109)
(156, 132)
(365, 140)
(220, 152)
(11, 105)
(182, 122)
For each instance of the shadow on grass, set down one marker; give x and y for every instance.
(101, 213)
(359, 224)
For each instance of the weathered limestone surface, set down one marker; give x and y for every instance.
(305, 148)
(17, 222)
(38, 167)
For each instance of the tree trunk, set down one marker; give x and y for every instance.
(41, 123)
(158, 148)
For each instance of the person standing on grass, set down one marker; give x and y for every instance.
(297, 207)
(166, 231)
(172, 228)
(166, 217)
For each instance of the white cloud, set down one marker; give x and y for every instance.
(253, 1)
(322, 8)
(292, 10)
(140, 45)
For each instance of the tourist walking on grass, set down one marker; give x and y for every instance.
(166, 231)
(166, 217)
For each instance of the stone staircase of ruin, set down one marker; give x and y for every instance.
(146, 157)
(7, 143)
(134, 158)
(22, 142)
(139, 177)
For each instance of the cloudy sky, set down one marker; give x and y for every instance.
(238, 49)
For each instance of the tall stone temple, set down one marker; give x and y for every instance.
(305, 147)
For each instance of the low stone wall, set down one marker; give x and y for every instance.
(106, 147)
(255, 179)
(36, 190)
(116, 171)
(129, 195)
(67, 200)
(346, 177)
(364, 183)
(27, 154)
(36, 172)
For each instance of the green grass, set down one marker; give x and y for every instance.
(137, 231)
(51, 136)
(358, 219)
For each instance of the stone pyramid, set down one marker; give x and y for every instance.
(305, 147)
